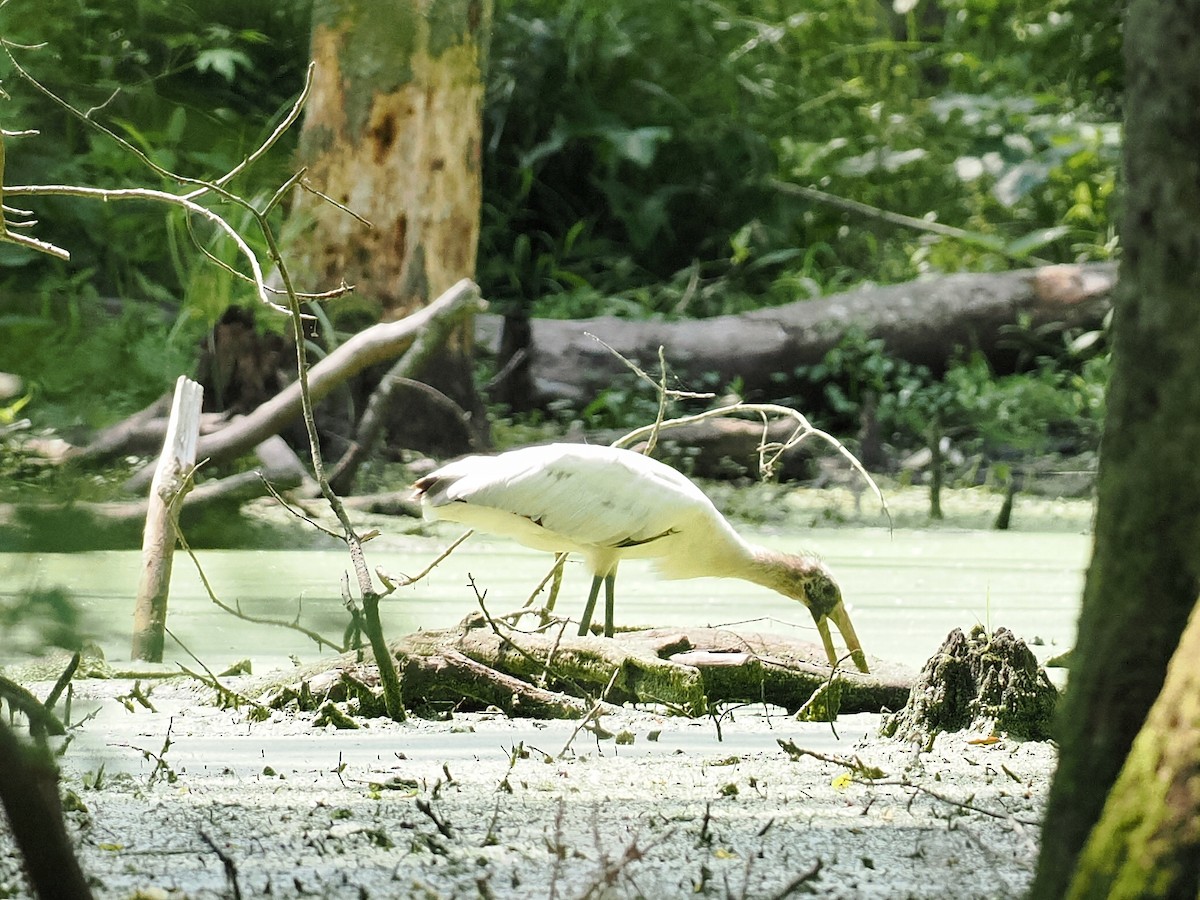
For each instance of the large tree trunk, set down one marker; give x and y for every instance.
(392, 131)
(1145, 572)
(926, 322)
(1147, 843)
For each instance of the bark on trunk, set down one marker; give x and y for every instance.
(1147, 842)
(925, 322)
(1145, 572)
(393, 132)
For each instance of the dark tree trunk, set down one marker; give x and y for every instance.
(393, 131)
(1147, 842)
(1145, 572)
(29, 795)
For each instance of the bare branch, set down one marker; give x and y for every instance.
(288, 121)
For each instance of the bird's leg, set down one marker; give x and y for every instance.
(842, 620)
(610, 582)
(556, 582)
(586, 621)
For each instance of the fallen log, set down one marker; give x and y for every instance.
(924, 322)
(551, 673)
(138, 435)
(118, 523)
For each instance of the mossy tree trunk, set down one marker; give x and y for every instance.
(1147, 842)
(1145, 572)
(392, 131)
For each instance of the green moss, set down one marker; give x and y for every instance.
(984, 681)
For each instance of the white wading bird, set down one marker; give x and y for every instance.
(608, 505)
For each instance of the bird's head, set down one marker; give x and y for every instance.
(807, 580)
(822, 594)
(802, 578)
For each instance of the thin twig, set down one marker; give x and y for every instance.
(307, 185)
(231, 872)
(318, 639)
(390, 583)
(593, 713)
(295, 511)
(287, 122)
(804, 430)
(560, 560)
(961, 804)
(212, 680)
(972, 238)
(480, 598)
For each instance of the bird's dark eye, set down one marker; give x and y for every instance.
(823, 595)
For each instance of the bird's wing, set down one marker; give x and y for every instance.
(593, 495)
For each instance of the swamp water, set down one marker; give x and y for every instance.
(300, 811)
(906, 590)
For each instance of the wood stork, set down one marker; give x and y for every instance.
(608, 504)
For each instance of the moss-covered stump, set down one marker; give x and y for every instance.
(548, 672)
(987, 683)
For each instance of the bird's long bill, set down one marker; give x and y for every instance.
(842, 620)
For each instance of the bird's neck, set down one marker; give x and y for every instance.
(774, 569)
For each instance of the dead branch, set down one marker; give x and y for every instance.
(372, 346)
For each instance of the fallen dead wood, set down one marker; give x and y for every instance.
(138, 435)
(551, 673)
(925, 322)
(229, 491)
(375, 345)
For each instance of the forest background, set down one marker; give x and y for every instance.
(636, 163)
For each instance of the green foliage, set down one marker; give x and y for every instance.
(73, 348)
(1055, 406)
(629, 158)
(196, 88)
(631, 146)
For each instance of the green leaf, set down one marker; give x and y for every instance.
(223, 61)
(1035, 240)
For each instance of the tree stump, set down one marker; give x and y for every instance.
(989, 683)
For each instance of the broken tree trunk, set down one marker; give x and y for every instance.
(1147, 840)
(924, 322)
(172, 479)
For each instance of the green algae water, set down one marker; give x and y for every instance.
(905, 589)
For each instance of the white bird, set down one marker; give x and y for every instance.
(608, 504)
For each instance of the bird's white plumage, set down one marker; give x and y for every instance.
(607, 505)
(601, 502)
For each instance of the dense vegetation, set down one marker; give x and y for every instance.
(634, 160)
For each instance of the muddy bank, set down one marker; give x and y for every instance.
(485, 806)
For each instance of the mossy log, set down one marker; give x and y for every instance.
(551, 673)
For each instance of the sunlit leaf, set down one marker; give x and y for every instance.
(1035, 240)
